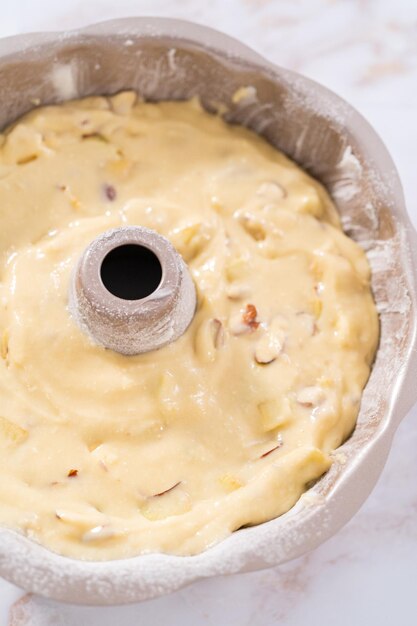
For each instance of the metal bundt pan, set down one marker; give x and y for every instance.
(171, 59)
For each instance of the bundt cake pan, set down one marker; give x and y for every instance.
(171, 59)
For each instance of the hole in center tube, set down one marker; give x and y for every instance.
(131, 272)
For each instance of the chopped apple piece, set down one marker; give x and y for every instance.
(11, 431)
(275, 413)
(230, 483)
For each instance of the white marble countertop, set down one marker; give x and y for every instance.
(366, 50)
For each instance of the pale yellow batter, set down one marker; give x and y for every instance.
(105, 456)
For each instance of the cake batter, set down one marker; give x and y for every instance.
(105, 456)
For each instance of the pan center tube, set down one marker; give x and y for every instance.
(131, 291)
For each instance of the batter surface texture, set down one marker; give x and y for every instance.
(105, 456)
